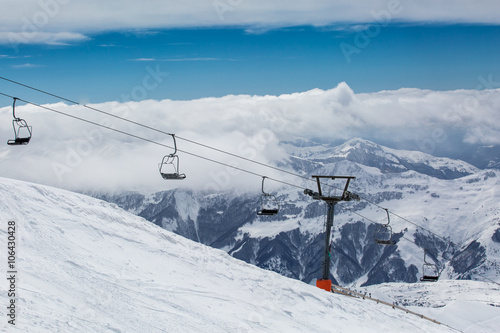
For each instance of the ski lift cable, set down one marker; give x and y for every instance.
(197, 143)
(154, 142)
(181, 138)
(487, 278)
(403, 218)
(409, 240)
(436, 255)
(178, 137)
(205, 146)
(445, 261)
(224, 164)
(164, 132)
(85, 106)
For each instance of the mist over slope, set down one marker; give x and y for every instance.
(86, 265)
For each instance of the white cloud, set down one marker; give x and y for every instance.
(69, 153)
(91, 16)
(27, 65)
(190, 59)
(3, 56)
(144, 59)
(38, 37)
(175, 59)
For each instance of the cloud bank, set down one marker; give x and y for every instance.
(68, 153)
(39, 21)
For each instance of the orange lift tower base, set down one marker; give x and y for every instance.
(325, 282)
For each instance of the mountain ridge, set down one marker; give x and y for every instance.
(388, 159)
(441, 195)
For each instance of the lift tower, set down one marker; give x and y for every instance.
(331, 201)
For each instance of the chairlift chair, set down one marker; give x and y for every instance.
(430, 272)
(20, 127)
(268, 203)
(169, 166)
(383, 233)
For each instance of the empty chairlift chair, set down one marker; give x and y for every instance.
(22, 132)
(169, 166)
(383, 233)
(430, 272)
(268, 203)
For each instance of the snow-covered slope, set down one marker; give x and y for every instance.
(470, 306)
(84, 265)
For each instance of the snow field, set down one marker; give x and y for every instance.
(88, 266)
(470, 306)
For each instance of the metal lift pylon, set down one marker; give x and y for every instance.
(325, 282)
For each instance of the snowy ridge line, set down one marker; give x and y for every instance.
(350, 293)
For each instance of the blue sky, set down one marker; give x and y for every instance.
(271, 55)
(217, 61)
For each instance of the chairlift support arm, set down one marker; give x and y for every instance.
(14, 108)
(175, 145)
(263, 179)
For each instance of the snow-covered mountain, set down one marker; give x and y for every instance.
(448, 207)
(385, 159)
(84, 265)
